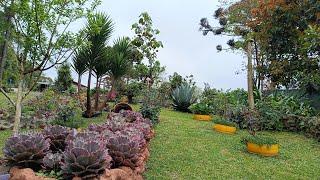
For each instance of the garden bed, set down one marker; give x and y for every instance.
(117, 149)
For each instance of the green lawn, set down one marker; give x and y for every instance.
(187, 149)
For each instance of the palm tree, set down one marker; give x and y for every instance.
(79, 65)
(120, 60)
(100, 69)
(99, 29)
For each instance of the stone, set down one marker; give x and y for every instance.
(25, 174)
(115, 174)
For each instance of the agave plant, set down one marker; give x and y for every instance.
(183, 97)
(86, 156)
(52, 161)
(26, 150)
(125, 148)
(57, 136)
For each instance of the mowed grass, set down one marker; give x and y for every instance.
(187, 149)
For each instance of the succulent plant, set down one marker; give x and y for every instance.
(57, 136)
(26, 150)
(183, 97)
(125, 148)
(52, 161)
(86, 155)
(131, 116)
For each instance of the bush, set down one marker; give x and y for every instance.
(200, 108)
(151, 113)
(183, 97)
(85, 156)
(150, 107)
(26, 150)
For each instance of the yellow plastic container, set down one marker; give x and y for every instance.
(200, 117)
(224, 129)
(264, 150)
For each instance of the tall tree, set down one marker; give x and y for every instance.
(42, 39)
(6, 28)
(99, 29)
(234, 20)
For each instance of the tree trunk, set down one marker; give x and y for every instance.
(96, 105)
(79, 84)
(250, 77)
(17, 116)
(89, 111)
(4, 46)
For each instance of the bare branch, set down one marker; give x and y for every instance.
(7, 96)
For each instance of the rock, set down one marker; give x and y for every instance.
(22, 174)
(115, 174)
(25, 174)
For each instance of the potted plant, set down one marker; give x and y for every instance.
(259, 144)
(201, 112)
(224, 126)
(262, 145)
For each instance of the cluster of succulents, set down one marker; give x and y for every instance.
(27, 150)
(52, 161)
(86, 155)
(121, 141)
(125, 148)
(57, 136)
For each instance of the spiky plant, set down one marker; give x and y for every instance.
(26, 150)
(86, 156)
(99, 29)
(57, 136)
(183, 97)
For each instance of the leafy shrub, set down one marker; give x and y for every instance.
(57, 136)
(151, 113)
(311, 127)
(224, 122)
(200, 108)
(260, 140)
(183, 97)
(66, 116)
(85, 156)
(150, 107)
(26, 150)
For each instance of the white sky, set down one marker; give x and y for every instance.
(185, 50)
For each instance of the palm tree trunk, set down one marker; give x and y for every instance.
(89, 111)
(96, 105)
(250, 77)
(79, 84)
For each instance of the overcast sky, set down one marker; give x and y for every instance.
(185, 50)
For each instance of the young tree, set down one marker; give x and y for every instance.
(99, 29)
(64, 80)
(120, 60)
(41, 39)
(100, 69)
(145, 41)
